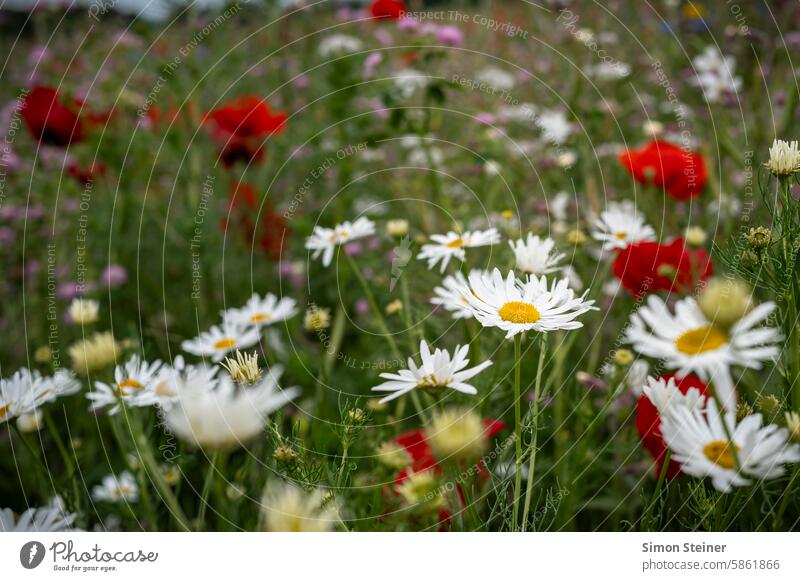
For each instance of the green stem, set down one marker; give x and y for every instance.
(517, 427)
(534, 429)
(661, 478)
(375, 309)
(156, 476)
(787, 495)
(69, 465)
(209, 481)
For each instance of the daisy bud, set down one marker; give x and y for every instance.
(397, 228)
(31, 422)
(743, 410)
(171, 474)
(749, 259)
(421, 491)
(758, 238)
(83, 311)
(95, 353)
(696, 236)
(357, 416)
(393, 456)
(623, 357)
(576, 237)
(394, 307)
(286, 508)
(793, 425)
(653, 128)
(770, 406)
(725, 301)
(42, 354)
(784, 158)
(285, 455)
(234, 491)
(317, 319)
(457, 434)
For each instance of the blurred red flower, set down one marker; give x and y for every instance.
(51, 120)
(86, 174)
(272, 230)
(390, 9)
(650, 266)
(422, 457)
(241, 126)
(680, 172)
(648, 423)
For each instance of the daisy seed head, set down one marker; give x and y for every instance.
(623, 357)
(83, 311)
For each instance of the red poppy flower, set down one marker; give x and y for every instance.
(241, 127)
(86, 174)
(49, 119)
(649, 266)
(388, 9)
(680, 172)
(422, 458)
(648, 423)
(274, 230)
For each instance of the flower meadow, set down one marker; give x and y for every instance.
(400, 266)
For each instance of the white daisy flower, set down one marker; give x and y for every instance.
(409, 81)
(36, 520)
(130, 381)
(339, 44)
(221, 340)
(715, 74)
(163, 389)
(325, 240)
(620, 225)
(259, 312)
(665, 395)
(26, 390)
(700, 443)
(687, 342)
(496, 78)
(122, 488)
(554, 125)
(519, 306)
(224, 415)
(452, 295)
(536, 255)
(437, 371)
(453, 244)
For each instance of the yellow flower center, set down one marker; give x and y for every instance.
(722, 453)
(700, 340)
(126, 385)
(620, 235)
(4, 410)
(457, 243)
(430, 381)
(519, 312)
(260, 318)
(226, 343)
